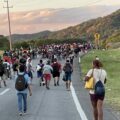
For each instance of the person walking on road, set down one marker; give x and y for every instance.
(22, 85)
(2, 74)
(39, 69)
(47, 73)
(56, 71)
(68, 69)
(15, 67)
(29, 68)
(99, 75)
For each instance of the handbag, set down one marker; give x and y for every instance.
(90, 83)
(64, 78)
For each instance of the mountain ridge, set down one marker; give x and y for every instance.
(106, 26)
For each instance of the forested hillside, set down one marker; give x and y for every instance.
(4, 43)
(108, 27)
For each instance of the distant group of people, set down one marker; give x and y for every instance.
(45, 72)
(18, 65)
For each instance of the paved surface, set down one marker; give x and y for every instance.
(53, 104)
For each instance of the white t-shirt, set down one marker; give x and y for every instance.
(98, 74)
(8, 65)
(47, 69)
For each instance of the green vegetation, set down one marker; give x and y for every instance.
(1, 53)
(105, 26)
(4, 43)
(108, 27)
(111, 63)
(35, 36)
(23, 44)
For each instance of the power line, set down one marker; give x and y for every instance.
(9, 23)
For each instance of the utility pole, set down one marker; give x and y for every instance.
(8, 13)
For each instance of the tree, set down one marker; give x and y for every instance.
(4, 43)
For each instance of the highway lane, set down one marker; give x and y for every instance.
(53, 104)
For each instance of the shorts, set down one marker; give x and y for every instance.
(39, 74)
(47, 76)
(1, 74)
(68, 76)
(56, 74)
(94, 97)
(30, 74)
(3, 78)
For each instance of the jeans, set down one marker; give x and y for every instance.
(22, 102)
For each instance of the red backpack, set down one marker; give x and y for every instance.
(56, 67)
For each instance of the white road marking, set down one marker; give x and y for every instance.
(6, 90)
(77, 103)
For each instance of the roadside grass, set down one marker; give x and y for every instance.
(1, 52)
(111, 63)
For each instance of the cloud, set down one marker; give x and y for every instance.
(51, 19)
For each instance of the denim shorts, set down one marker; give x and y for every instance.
(68, 76)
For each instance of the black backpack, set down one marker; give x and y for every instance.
(68, 68)
(22, 61)
(21, 84)
(55, 67)
(1, 69)
(5, 67)
(99, 88)
(15, 65)
(41, 68)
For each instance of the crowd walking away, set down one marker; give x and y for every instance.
(53, 62)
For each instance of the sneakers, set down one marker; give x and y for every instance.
(57, 83)
(48, 88)
(25, 113)
(20, 113)
(68, 89)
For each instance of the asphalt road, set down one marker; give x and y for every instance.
(53, 104)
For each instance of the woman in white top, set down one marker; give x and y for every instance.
(97, 101)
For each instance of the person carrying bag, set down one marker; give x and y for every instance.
(97, 94)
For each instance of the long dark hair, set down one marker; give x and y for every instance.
(97, 64)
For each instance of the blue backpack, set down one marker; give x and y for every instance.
(99, 88)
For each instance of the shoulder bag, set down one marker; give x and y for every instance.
(90, 83)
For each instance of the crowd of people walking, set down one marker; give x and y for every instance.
(17, 65)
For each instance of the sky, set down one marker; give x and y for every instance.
(25, 5)
(52, 14)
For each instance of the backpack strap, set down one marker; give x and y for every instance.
(92, 73)
(100, 74)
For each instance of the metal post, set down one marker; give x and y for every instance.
(10, 40)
